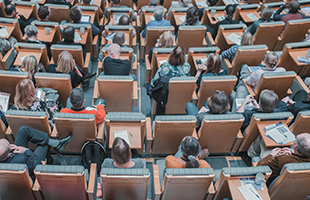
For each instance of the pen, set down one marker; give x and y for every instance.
(255, 193)
(131, 137)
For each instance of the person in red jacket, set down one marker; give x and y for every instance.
(75, 105)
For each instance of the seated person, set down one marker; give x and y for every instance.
(121, 156)
(165, 41)
(112, 63)
(179, 4)
(68, 39)
(44, 13)
(117, 3)
(32, 37)
(175, 66)
(188, 156)
(191, 17)
(228, 14)
(93, 3)
(158, 21)
(125, 20)
(18, 153)
(30, 65)
(62, 2)
(75, 105)
(152, 4)
(213, 65)
(76, 15)
(246, 39)
(209, 3)
(266, 15)
(218, 103)
(10, 11)
(267, 103)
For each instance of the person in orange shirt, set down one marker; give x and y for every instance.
(189, 155)
(75, 105)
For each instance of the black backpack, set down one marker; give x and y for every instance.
(93, 152)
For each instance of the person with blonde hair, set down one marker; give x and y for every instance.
(25, 96)
(165, 41)
(246, 39)
(212, 67)
(66, 65)
(266, 15)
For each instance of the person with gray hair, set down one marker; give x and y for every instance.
(75, 105)
(5, 46)
(158, 21)
(281, 156)
(179, 4)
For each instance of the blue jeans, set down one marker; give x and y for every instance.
(69, 105)
(191, 109)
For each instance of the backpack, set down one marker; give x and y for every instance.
(93, 152)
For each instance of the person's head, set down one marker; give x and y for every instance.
(5, 149)
(177, 56)
(44, 13)
(75, 14)
(190, 148)
(30, 65)
(24, 94)
(267, 13)
(302, 145)
(124, 20)
(86, 1)
(153, 2)
(191, 16)
(268, 100)
(212, 2)
(10, 10)
(159, 13)
(229, 11)
(271, 60)
(65, 62)
(185, 3)
(116, 2)
(246, 39)
(5, 46)
(77, 97)
(119, 38)
(218, 103)
(68, 33)
(31, 31)
(120, 152)
(166, 39)
(114, 51)
(213, 63)
(294, 7)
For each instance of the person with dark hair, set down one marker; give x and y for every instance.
(228, 14)
(213, 65)
(175, 66)
(93, 3)
(121, 156)
(125, 20)
(44, 13)
(189, 155)
(76, 15)
(10, 11)
(265, 17)
(218, 103)
(75, 105)
(191, 17)
(178, 4)
(62, 2)
(210, 3)
(294, 7)
(68, 39)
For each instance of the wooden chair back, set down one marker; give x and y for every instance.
(301, 123)
(59, 12)
(197, 34)
(12, 26)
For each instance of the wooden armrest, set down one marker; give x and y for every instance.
(238, 141)
(148, 69)
(157, 191)
(142, 40)
(54, 132)
(99, 68)
(101, 22)
(254, 164)
(87, 61)
(204, 42)
(210, 38)
(195, 135)
(138, 20)
(229, 66)
(95, 40)
(36, 190)
(100, 132)
(96, 91)
(194, 98)
(303, 85)
(289, 92)
(4, 59)
(9, 135)
(211, 192)
(92, 182)
(135, 94)
(249, 88)
(149, 136)
(134, 67)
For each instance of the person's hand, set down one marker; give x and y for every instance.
(19, 149)
(248, 99)
(203, 109)
(200, 67)
(288, 101)
(286, 151)
(13, 147)
(276, 152)
(255, 104)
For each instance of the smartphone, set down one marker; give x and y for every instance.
(213, 18)
(198, 62)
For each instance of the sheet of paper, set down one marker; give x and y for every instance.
(220, 18)
(85, 18)
(183, 18)
(174, 2)
(77, 37)
(280, 134)
(4, 101)
(110, 37)
(204, 60)
(307, 9)
(249, 192)
(273, 12)
(123, 135)
(162, 61)
(303, 59)
(3, 32)
(252, 17)
(251, 181)
(116, 17)
(152, 17)
(253, 69)
(234, 38)
(227, 2)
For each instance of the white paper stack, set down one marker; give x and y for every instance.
(123, 135)
(252, 17)
(3, 32)
(77, 37)
(279, 133)
(234, 38)
(249, 192)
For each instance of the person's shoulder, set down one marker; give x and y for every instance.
(108, 163)
(203, 164)
(139, 163)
